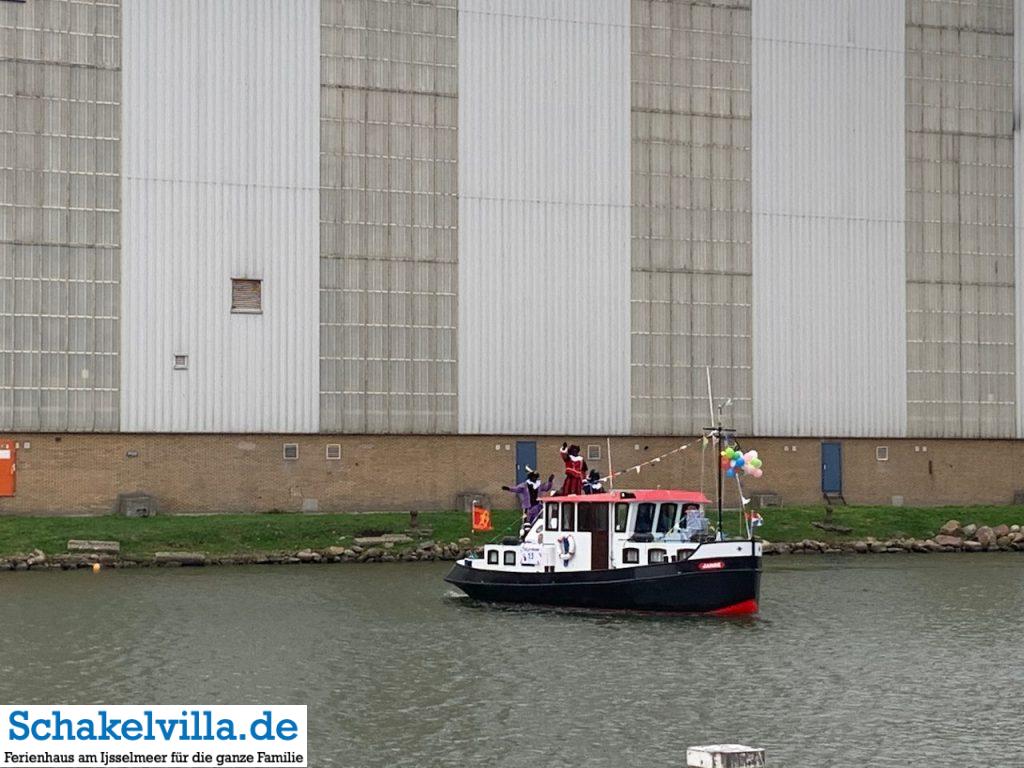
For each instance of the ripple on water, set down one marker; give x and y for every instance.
(852, 662)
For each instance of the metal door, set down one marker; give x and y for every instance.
(831, 468)
(526, 456)
(8, 466)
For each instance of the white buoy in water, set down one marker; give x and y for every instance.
(724, 756)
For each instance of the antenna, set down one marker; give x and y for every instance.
(717, 431)
(711, 400)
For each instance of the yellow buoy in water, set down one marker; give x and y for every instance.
(95, 567)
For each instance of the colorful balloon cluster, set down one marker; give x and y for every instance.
(748, 463)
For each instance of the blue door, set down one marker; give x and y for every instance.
(526, 456)
(831, 468)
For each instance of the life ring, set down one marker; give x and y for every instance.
(566, 548)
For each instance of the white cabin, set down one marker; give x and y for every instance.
(622, 529)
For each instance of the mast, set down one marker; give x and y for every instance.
(721, 447)
(719, 433)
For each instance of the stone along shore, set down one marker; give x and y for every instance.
(952, 537)
(391, 548)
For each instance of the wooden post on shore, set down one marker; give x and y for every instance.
(724, 756)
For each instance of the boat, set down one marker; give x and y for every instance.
(642, 550)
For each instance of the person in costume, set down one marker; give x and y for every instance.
(529, 492)
(575, 469)
(593, 483)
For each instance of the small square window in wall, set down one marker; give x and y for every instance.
(882, 453)
(593, 453)
(246, 295)
(181, 362)
(333, 452)
(291, 451)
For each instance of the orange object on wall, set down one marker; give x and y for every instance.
(481, 518)
(7, 467)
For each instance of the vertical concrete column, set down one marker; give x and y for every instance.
(691, 203)
(960, 142)
(60, 215)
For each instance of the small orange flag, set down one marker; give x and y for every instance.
(481, 519)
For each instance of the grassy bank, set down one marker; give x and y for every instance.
(231, 534)
(795, 523)
(273, 533)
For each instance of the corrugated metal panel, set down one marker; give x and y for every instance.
(828, 193)
(59, 216)
(388, 216)
(960, 241)
(691, 213)
(221, 181)
(544, 216)
(1018, 202)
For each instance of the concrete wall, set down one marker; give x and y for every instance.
(844, 262)
(960, 237)
(543, 216)
(221, 182)
(1018, 202)
(388, 216)
(829, 206)
(74, 473)
(691, 230)
(60, 229)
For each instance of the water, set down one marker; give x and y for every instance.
(854, 661)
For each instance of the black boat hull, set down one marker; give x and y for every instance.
(683, 587)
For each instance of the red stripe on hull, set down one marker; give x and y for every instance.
(745, 608)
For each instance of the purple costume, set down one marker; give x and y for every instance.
(529, 498)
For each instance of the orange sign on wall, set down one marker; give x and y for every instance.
(7, 467)
(481, 518)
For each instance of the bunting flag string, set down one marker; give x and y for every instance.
(650, 462)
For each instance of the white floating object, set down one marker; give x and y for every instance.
(724, 756)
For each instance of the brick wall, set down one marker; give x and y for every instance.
(75, 473)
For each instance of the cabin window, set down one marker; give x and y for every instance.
(682, 554)
(667, 517)
(552, 513)
(510, 557)
(568, 518)
(492, 557)
(644, 518)
(621, 517)
(656, 556)
(631, 555)
(591, 516)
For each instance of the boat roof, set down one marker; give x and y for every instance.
(689, 497)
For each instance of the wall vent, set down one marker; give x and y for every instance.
(333, 452)
(181, 362)
(291, 451)
(882, 453)
(246, 296)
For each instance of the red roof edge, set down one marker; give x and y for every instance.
(686, 497)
